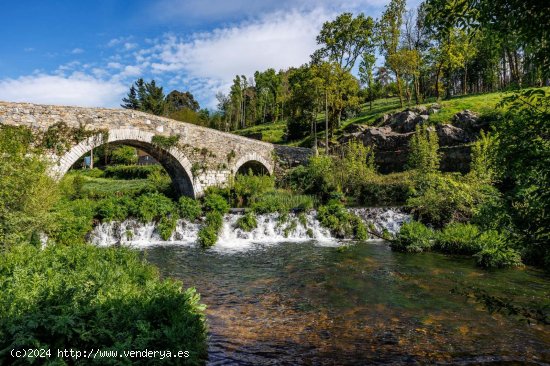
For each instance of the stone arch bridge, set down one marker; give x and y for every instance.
(195, 157)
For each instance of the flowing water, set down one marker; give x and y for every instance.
(298, 300)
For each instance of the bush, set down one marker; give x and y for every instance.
(208, 233)
(316, 178)
(153, 206)
(131, 171)
(495, 252)
(215, 202)
(446, 198)
(248, 185)
(124, 155)
(385, 190)
(457, 238)
(282, 202)
(247, 222)
(72, 221)
(342, 224)
(83, 297)
(113, 209)
(189, 208)
(414, 237)
(166, 227)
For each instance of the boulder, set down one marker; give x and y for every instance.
(383, 138)
(403, 122)
(354, 128)
(383, 120)
(466, 120)
(450, 135)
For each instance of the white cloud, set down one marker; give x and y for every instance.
(212, 59)
(129, 46)
(116, 41)
(78, 90)
(77, 51)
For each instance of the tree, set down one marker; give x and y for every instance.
(131, 101)
(27, 193)
(366, 76)
(389, 30)
(345, 39)
(146, 97)
(124, 155)
(177, 100)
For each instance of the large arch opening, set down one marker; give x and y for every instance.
(174, 163)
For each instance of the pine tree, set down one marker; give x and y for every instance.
(131, 101)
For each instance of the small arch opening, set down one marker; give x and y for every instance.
(253, 166)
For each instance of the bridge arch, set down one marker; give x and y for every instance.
(173, 161)
(252, 161)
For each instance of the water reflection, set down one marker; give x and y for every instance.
(300, 303)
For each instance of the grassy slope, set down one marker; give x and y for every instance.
(481, 103)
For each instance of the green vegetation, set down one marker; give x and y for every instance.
(247, 222)
(165, 142)
(340, 222)
(208, 233)
(414, 237)
(282, 201)
(71, 296)
(124, 155)
(127, 171)
(457, 238)
(189, 208)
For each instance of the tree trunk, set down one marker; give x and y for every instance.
(437, 81)
(326, 123)
(464, 87)
(399, 88)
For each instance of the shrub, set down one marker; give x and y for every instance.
(166, 227)
(215, 202)
(448, 198)
(131, 171)
(495, 253)
(413, 237)
(189, 208)
(113, 209)
(424, 155)
(153, 206)
(282, 202)
(72, 221)
(340, 222)
(458, 238)
(208, 233)
(384, 190)
(316, 178)
(248, 185)
(124, 155)
(84, 297)
(247, 222)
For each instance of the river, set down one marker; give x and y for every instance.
(329, 302)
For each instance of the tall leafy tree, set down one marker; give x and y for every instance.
(389, 31)
(344, 39)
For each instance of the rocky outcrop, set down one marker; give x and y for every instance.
(390, 140)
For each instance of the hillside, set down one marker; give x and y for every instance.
(480, 103)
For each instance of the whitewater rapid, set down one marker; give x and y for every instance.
(270, 230)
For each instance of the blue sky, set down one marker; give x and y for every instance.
(87, 53)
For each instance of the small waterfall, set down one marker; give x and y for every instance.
(271, 229)
(383, 218)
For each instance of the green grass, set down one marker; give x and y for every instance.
(480, 103)
(271, 132)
